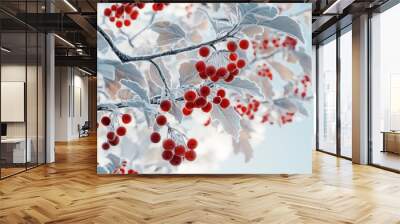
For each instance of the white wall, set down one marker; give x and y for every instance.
(71, 96)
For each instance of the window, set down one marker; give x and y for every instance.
(327, 97)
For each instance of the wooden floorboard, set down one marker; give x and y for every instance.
(69, 191)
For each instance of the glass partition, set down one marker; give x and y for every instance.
(385, 90)
(327, 97)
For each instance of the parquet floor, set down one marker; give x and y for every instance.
(69, 191)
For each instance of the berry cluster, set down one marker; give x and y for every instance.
(113, 135)
(264, 71)
(175, 153)
(306, 82)
(124, 14)
(199, 99)
(228, 72)
(248, 110)
(123, 170)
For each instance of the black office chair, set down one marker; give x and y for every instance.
(84, 130)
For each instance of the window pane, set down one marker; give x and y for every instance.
(327, 97)
(385, 89)
(346, 93)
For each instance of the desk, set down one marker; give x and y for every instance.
(391, 141)
(13, 150)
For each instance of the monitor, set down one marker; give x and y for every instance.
(3, 129)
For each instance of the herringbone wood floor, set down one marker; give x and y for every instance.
(69, 191)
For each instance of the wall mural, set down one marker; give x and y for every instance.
(204, 88)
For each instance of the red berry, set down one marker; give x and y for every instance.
(231, 67)
(168, 144)
(207, 108)
(221, 93)
(190, 155)
(107, 12)
(231, 46)
(105, 121)
(114, 7)
(158, 6)
(224, 103)
(155, 137)
(176, 160)
(233, 56)
(303, 94)
(110, 135)
(165, 105)
(130, 171)
(217, 100)
(180, 150)
(115, 141)
(190, 95)
(203, 75)
(244, 44)
(200, 102)
(230, 78)
(161, 120)
(214, 78)
(200, 66)
(191, 143)
(210, 70)
(121, 131)
(234, 72)
(140, 5)
(112, 19)
(105, 146)
(126, 118)
(241, 63)
(167, 155)
(205, 91)
(134, 14)
(128, 8)
(186, 111)
(204, 51)
(119, 23)
(189, 105)
(127, 22)
(221, 72)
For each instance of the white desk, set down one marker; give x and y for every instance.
(18, 149)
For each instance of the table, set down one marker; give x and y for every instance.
(13, 150)
(391, 141)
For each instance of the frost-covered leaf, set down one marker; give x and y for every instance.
(284, 24)
(220, 25)
(106, 70)
(102, 45)
(155, 76)
(252, 31)
(154, 89)
(168, 32)
(285, 73)
(176, 111)
(305, 61)
(254, 14)
(243, 85)
(243, 146)
(188, 74)
(229, 120)
(301, 109)
(285, 104)
(136, 88)
(219, 58)
(129, 71)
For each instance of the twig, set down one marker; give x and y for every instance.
(160, 74)
(126, 58)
